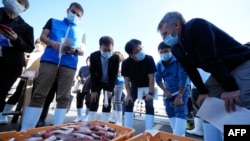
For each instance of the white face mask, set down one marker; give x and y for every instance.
(171, 40)
(166, 56)
(106, 55)
(13, 6)
(72, 18)
(140, 55)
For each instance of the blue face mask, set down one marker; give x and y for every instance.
(72, 18)
(140, 55)
(106, 55)
(171, 40)
(166, 56)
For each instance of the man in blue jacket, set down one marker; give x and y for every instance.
(200, 44)
(176, 85)
(58, 63)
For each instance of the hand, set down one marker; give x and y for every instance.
(201, 99)
(109, 95)
(231, 98)
(178, 100)
(55, 45)
(9, 34)
(94, 96)
(69, 49)
(148, 97)
(168, 95)
(128, 98)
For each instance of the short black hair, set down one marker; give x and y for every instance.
(77, 5)
(162, 45)
(131, 45)
(106, 40)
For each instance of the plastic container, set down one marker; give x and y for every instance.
(160, 136)
(124, 132)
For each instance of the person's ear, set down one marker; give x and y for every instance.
(67, 11)
(177, 25)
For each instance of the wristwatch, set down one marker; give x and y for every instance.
(76, 51)
(150, 93)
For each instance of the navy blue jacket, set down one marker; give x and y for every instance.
(96, 71)
(203, 45)
(24, 43)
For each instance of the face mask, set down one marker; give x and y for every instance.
(72, 18)
(140, 56)
(166, 56)
(13, 6)
(170, 40)
(106, 55)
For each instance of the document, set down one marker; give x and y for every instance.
(213, 111)
(142, 91)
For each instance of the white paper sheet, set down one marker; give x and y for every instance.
(213, 110)
(144, 90)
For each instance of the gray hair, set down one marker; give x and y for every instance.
(170, 18)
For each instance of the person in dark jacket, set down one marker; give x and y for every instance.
(13, 44)
(104, 67)
(199, 43)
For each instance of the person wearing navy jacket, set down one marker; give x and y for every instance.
(14, 44)
(103, 69)
(199, 43)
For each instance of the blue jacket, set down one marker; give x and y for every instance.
(58, 30)
(172, 74)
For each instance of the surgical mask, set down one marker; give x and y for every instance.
(13, 6)
(166, 56)
(170, 40)
(140, 56)
(106, 55)
(72, 18)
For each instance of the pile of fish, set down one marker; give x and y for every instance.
(80, 132)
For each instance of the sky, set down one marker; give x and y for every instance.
(124, 20)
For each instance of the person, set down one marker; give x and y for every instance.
(116, 114)
(138, 72)
(198, 122)
(58, 63)
(199, 43)
(82, 77)
(32, 65)
(14, 43)
(176, 85)
(46, 105)
(103, 73)
(49, 99)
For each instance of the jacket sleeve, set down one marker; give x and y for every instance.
(113, 72)
(25, 40)
(94, 75)
(204, 43)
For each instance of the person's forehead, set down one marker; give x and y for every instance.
(77, 10)
(107, 47)
(164, 28)
(164, 50)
